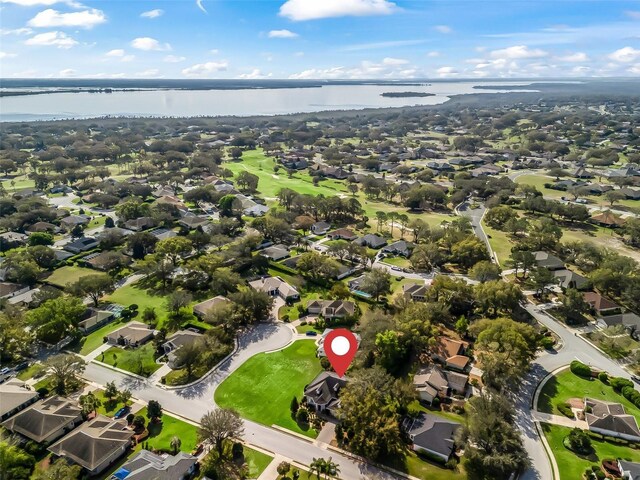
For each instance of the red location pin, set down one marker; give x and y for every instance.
(340, 346)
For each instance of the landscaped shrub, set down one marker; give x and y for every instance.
(565, 409)
(603, 377)
(578, 441)
(580, 369)
(547, 342)
(618, 383)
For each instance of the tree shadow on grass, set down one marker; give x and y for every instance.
(545, 399)
(154, 428)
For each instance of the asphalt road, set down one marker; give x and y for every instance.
(193, 402)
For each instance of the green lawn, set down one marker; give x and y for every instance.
(92, 341)
(108, 407)
(565, 385)
(278, 377)
(160, 434)
(30, 372)
(422, 468)
(538, 181)
(132, 294)
(256, 461)
(500, 243)
(127, 359)
(19, 182)
(572, 466)
(69, 274)
(398, 262)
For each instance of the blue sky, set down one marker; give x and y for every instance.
(339, 39)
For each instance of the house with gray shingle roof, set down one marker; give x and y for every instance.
(431, 434)
(146, 465)
(46, 420)
(322, 394)
(16, 396)
(611, 419)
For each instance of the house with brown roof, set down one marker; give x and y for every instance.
(178, 340)
(201, 309)
(610, 419)
(16, 395)
(133, 334)
(73, 220)
(598, 303)
(46, 420)
(450, 353)
(96, 444)
(105, 261)
(42, 227)
(415, 291)
(607, 219)
(192, 222)
(436, 382)
(342, 234)
(139, 224)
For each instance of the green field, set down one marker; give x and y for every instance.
(572, 466)
(566, 385)
(109, 407)
(275, 378)
(161, 433)
(92, 341)
(256, 461)
(500, 243)
(30, 372)
(132, 294)
(127, 359)
(68, 275)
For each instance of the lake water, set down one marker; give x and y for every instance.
(244, 102)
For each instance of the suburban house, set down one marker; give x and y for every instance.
(611, 419)
(320, 228)
(10, 240)
(372, 241)
(436, 382)
(415, 291)
(163, 233)
(630, 321)
(68, 223)
(275, 286)
(450, 353)
(80, 245)
(599, 304)
(342, 234)
(431, 434)
(566, 278)
(42, 227)
(400, 248)
(321, 353)
(629, 470)
(201, 309)
(548, 260)
(46, 420)
(16, 395)
(322, 394)
(146, 465)
(607, 219)
(248, 206)
(177, 340)
(140, 224)
(9, 290)
(355, 283)
(94, 319)
(192, 222)
(105, 261)
(276, 252)
(96, 444)
(131, 335)
(331, 308)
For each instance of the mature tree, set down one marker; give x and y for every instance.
(219, 425)
(390, 350)
(522, 260)
(40, 238)
(56, 318)
(247, 181)
(505, 348)
(318, 267)
(21, 268)
(15, 462)
(453, 293)
(89, 403)
(425, 257)
(542, 278)
(44, 256)
(175, 444)
(253, 306)
(154, 410)
(60, 470)
(484, 271)
(497, 217)
(64, 368)
(468, 252)
(189, 356)
(573, 306)
(141, 244)
(496, 295)
(110, 390)
(376, 283)
(94, 286)
(492, 444)
(174, 248)
(15, 340)
(157, 267)
(177, 301)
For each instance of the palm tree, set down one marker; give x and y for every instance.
(331, 469)
(317, 467)
(175, 443)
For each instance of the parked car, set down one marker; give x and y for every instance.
(122, 412)
(635, 378)
(311, 333)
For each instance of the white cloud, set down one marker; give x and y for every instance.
(204, 69)
(66, 73)
(118, 52)
(53, 18)
(173, 59)
(152, 13)
(255, 73)
(56, 39)
(517, 52)
(299, 10)
(35, 3)
(394, 61)
(635, 69)
(16, 31)
(574, 57)
(446, 71)
(214, 51)
(625, 55)
(148, 43)
(201, 6)
(282, 34)
(7, 55)
(443, 28)
(433, 54)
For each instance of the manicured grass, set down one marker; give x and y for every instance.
(30, 372)
(126, 359)
(92, 341)
(256, 461)
(397, 261)
(421, 467)
(133, 294)
(566, 385)
(160, 434)
(538, 181)
(500, 243)
(454, 417)
(108, 407)
(278, 377)
(19, 182)
(68, 275)
(573, 466)
(603, 237)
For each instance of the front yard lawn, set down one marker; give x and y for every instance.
(64, 276)
(420, 467)
(566, 385)
(500, 243)
(139, 360)
(397, 262)
(33, 370)
(262, 388)
(108, 407)
(161, 433)
(132, 294)
(256, 461)
(92, 341)
(572, 465)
